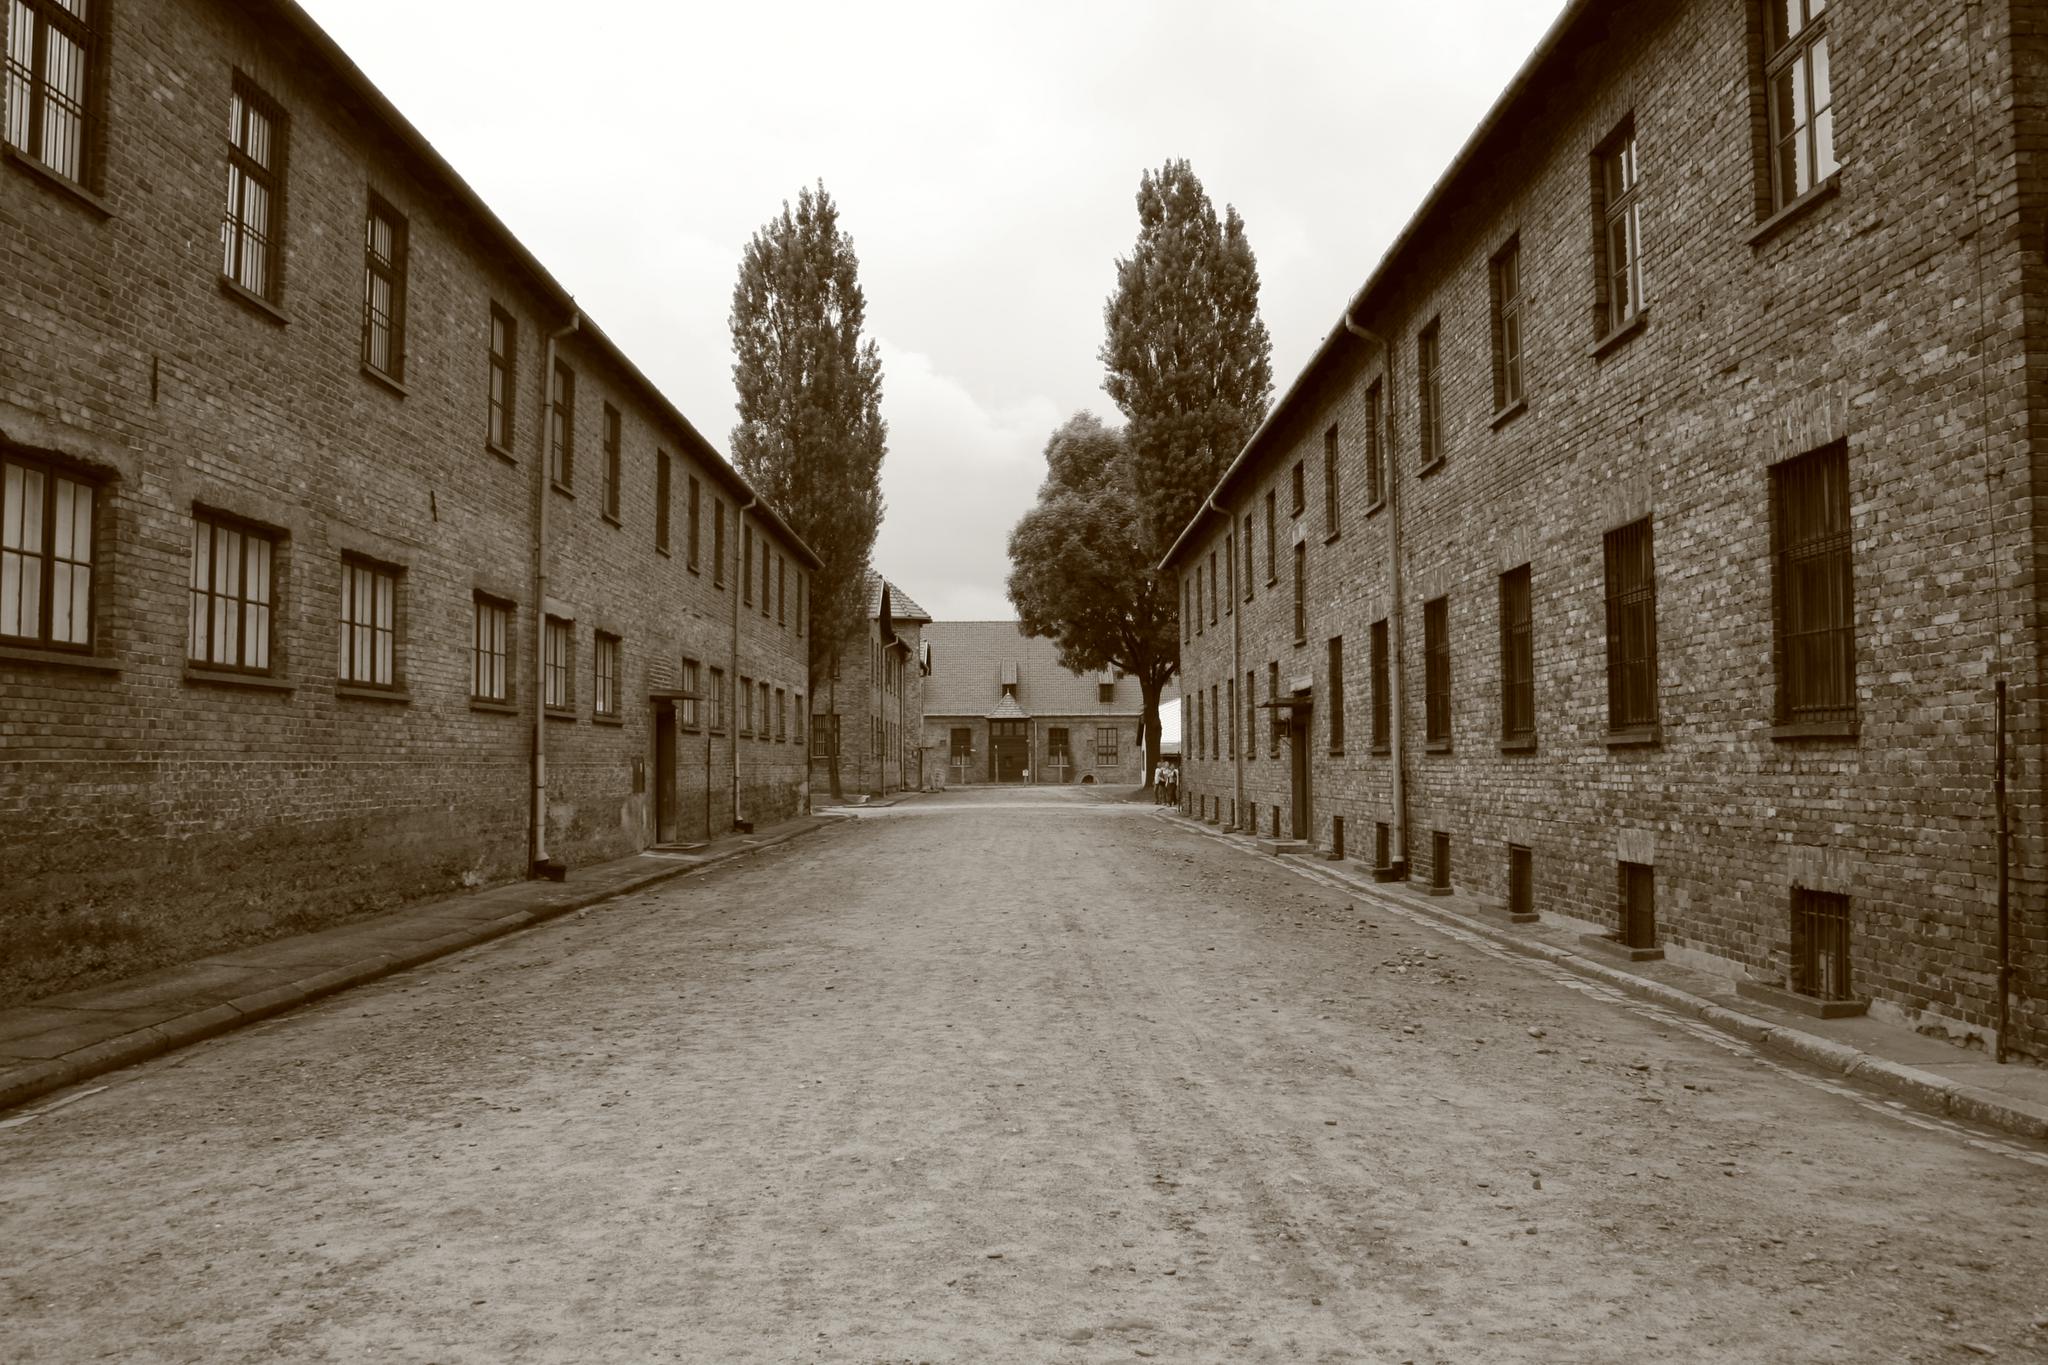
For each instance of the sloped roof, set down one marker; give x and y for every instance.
(901, 608)
(966, 676)
(1008, 709)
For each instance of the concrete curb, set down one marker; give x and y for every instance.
(28, 1083)
(1926, 1088)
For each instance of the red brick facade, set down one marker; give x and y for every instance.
(131, 773)
(1892, 317)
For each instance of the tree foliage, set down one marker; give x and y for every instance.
(811, 436)
(1081, 568)
(1189, 361)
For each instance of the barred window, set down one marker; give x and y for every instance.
(1201, 725)
(558, 665)
(1820, 944)
(743, 710)
(1198, 599)
(562, 427)
(504, 366)
(781, 590)
(1273, 694)
(1105, 745)
(717, 700)
(1300, 592)
(798, 713)
(767, 607)
(490, 677)
(1517, 657)
(1248, 574)
(1618, 182)
(1382, 707)
(693, 707)
(255, 208)
(1375, 460)
(1436, 666)
(746, 564)
(49, 74)
(1333, 515)
(1506, 280)
(663, 478)
(696, 531)
(717, 543)
(609, 493)
(1213, 593)
(229, 621)
(1813, 591)
(781, 714)
(1801, 98)
(1251, 714)
(1631, 628)
(46, 555)
(606, 667)
(1335, 700)
(369, 625)
(384, 289)
(1272, 538)
(1429, 420)
(763, 689)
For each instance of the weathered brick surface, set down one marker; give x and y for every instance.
(1902, 315)
(877, 696)
(121, 355)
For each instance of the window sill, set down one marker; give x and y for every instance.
(1379, 505)
(56, 180)
(1382, 751)
(561, 713)
(1638, 737)
(1509, 413)
(496, 708)
(663, 551)
(1637, 321)
(225, 677)
(1336, 753)
(371, 372)
(1432, 467)
(250, 299)
(1436, 746)
(1815, 729)
(563, 489)
(1333, 537)
(351, 692)
(1521, 744)
(1796, 210)
(607, 719)
(613, 518)
(57, 658)
(507, 456)
(691, 567)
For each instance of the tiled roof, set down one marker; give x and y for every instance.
(967, 672)
(901, 608)
(1008, 709)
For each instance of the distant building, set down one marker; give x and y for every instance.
(999, 707)
(871, 708)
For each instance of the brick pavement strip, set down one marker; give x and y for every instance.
(2024, 1115)
(49, 1044)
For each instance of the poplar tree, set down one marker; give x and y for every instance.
(1189, 362)
(1081, 568)
(810, 436)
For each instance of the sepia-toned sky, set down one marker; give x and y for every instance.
(985, 160)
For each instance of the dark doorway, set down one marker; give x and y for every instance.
(664, 772)
(1297, 761)
(1009, 743)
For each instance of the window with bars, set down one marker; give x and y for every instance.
(696, 532)
(229, 622)
(1105, 746)
(50, 74)
(46, 555)
(1248, 574)
(607, 667)
(250, 229)
(1201, 724)
(717, 543)
(1631, 628)
(1617, 184)
(1273, 695)
(1272, 537)
(1638, 896)
(490, 674)
(562, 428)
(781, 590)
(608, 494)
(1436, 666)
(1334, 702)
(1333, 511)
(664, 480)
(558, 665)
(1429, 414)
(767, 607)
(1229, 717)
(797, 714)
(799, 603)
(716, 698)
(746, 564)
(692, 707)
(824, 735)
(369, 624)
(1213, 593)
(1382, 707)
(1375, 459)
(1199, 623)
(1300, 592)
(1820, 944)
(1506, 288)
(1800, 96)
(1517, 658)
(503, 381)
(743, 714)
(1215, 723)
(762, 690)
(1297, 485)
(1813, 592)
(384, 289)
(1251, 715)
(781, 714)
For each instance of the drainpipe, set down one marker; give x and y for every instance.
(739, 540)
(2004, 887)
(1397, 853)
(1236, 651)
(542, 864)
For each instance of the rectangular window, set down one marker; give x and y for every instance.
(1300, 592)
(609, 493)
(1198, 599)
(1638, 895)
(1631, 628)
(1335, 700)
(1621, 230)
(504, 367)
(767, 607)
(562, 428)
(1272, 538)
(1801, 100)
(762, 688)
(1521, 881)
(231, 600)
(1436, 672)
(1273, 694)
(490, 677)
(250, 229)
(781, 590)
(717, 543)
(558, 665)
(369, 625)
(1429, 408)
(1187, 628)
(799, 603)
(1251, 715)
(1333, 524)
(824, 736)
(1230, 715)
(746, 563)
(1105, 746)
(781, 714)
(744, 713)
(1812, 589)
(1506, 273)
(49, 70)
(384, 289)
(1201, 725)
(664, 481)
(1517, 658)
(606, 667)
(696, 535)
(1375, 460)
(717, 700)
(692, 706)
(1298, 486)
(1820, 944)
(1105, 693)
(797, 713)
(1248, 574)
(1382, 698)
(1213, 593)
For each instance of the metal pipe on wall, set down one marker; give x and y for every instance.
(2004, 882)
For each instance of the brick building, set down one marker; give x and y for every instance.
(1649, 541)
(871, 707)
(273, 625)
(1000, 707)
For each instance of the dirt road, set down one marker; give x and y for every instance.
(1002, 1076)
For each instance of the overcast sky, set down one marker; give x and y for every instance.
(985, 160)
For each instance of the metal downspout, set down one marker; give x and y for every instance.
(540, 863)
(1397, 853)
(1236, 651)
(739, 540)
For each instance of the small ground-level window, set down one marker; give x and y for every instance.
(1638, 905)
(1820, 944)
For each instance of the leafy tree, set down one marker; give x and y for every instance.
(811, 436)
(1189, 361)
(1081, 568)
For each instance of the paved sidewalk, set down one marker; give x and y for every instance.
(64, 1039)
(1927, 1071)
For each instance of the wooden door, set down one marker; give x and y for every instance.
(664, 772)
(1297, 752)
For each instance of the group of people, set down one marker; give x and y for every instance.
(1166, 784)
